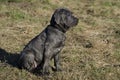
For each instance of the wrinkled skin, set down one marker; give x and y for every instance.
(47, 45)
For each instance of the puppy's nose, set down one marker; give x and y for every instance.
(76, 20)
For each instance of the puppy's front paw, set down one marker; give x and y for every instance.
(45, 73)
(59, 69)
(56, 69)
(45, 70)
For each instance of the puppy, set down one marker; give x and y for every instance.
(47, 45)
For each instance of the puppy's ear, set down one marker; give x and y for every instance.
(57, 17)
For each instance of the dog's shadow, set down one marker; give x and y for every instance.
(9, 58)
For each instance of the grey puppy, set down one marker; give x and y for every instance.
(47, 45)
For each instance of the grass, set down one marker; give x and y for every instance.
(21, 20)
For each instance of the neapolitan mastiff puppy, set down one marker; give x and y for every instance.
(47, 45)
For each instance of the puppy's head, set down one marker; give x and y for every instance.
(64, 18)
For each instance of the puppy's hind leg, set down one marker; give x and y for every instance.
(27, 61)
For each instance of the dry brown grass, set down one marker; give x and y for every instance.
(99, 25)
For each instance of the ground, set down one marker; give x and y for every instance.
(92, 50)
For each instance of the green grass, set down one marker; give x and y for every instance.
(22, 20)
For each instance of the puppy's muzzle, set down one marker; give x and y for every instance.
(76, 20)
